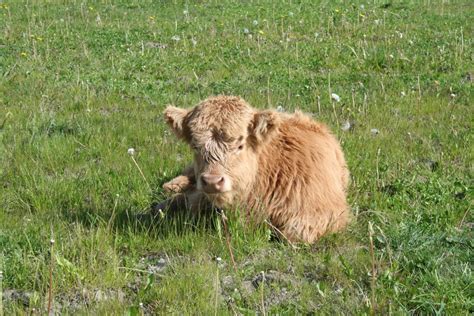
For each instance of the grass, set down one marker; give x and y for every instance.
(82, 82)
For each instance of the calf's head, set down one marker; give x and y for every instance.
(226, 135)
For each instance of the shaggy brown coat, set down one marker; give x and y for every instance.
(283, 167)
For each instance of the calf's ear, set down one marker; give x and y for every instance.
(175, 118)
(264, 126)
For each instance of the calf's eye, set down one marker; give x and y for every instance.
(240, 147)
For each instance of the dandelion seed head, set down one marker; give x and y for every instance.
(131, 151)
(335, 97)
(347, 126)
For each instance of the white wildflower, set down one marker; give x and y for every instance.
(176, 38)
(255, 22)
(374, 131)
(185, 12)
(403, 94)
(335, 97)
(280, 109)
(246, 31)
(131, 151)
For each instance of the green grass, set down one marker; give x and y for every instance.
(81, 83)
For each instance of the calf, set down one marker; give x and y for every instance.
(286, 168)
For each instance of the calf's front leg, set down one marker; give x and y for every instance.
(186, 181)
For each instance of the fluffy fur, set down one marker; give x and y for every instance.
(283, 167)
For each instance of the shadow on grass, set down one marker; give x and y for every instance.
(125, 218)
(166, 222)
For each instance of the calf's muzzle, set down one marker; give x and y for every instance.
(213, 183)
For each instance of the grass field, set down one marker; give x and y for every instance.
(81, 83)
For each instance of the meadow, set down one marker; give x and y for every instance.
(82, 82)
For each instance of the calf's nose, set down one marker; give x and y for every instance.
(212, 183)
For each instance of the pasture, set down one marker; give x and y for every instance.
(82, 82)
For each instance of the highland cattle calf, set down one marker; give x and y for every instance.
(282, 167)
